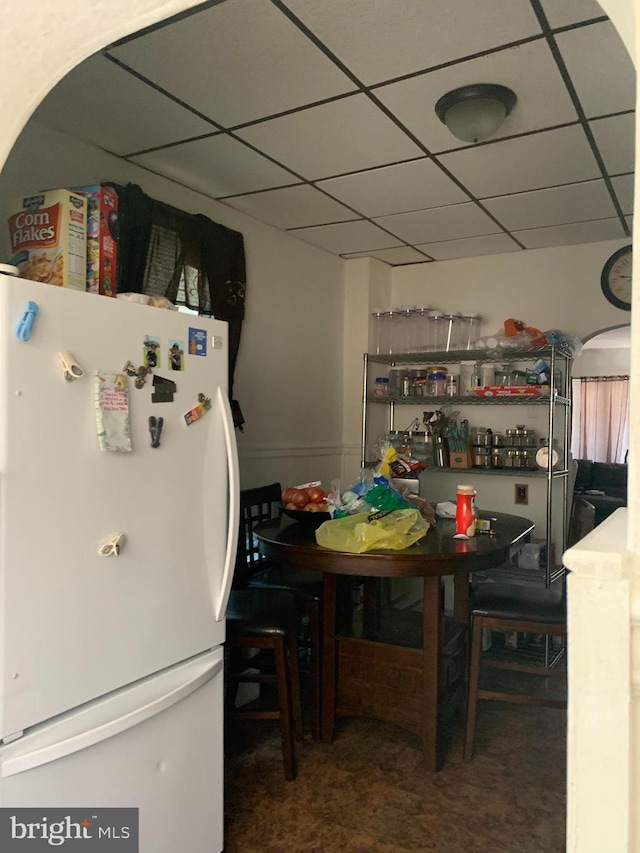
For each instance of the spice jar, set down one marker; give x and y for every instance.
(451, 388)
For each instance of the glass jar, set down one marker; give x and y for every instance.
(396, 375)
(405, 329)
(469, 330)
(422, 328)
(395, 330)
(422, 449)
(379, 333)
(450, 334)
(437, 333)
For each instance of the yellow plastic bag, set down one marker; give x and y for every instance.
(366, 531)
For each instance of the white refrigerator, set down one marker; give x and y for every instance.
(111, 659)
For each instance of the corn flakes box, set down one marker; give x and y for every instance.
(102, 239)
(48, 237)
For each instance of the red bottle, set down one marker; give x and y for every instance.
(465, 511)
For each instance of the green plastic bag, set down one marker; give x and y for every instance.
(366, 531)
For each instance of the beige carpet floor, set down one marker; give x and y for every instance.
(368, 792)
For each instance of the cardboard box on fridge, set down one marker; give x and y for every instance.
(48, 237)
(102, 239)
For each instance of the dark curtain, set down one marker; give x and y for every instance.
(186, 257)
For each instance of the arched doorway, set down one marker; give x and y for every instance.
(600, 429)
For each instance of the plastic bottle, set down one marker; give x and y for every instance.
(465, 511)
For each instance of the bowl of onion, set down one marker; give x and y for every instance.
(307, 505)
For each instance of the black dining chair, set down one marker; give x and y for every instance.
(507, 608)
(263, 504)
(264, 621)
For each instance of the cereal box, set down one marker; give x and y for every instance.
(48, 234)
(102, 239)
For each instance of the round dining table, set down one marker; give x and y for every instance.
(393, 664)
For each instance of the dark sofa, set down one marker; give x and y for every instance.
(603, 484)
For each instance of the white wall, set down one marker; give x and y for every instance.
(614, 361)
(288, 377)
(547, 288)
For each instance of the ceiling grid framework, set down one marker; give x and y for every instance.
(318, 118)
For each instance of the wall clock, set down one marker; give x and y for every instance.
(616, 278)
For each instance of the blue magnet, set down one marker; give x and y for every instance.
(26, 323)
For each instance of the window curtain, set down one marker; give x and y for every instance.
(600, 418)
(186, 257)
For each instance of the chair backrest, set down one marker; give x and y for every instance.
(583, 519)
(256, 505)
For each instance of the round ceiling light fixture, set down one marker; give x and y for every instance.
(475, 113)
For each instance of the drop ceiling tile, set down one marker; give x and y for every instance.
(106, 106)
(529, 162)
(615, 138)
(568, 235)
(394, 189)
(347, 237)
(292, 207)
(560, 13)
(218, 166)
(235, 62)
(440, 223)
(471, 247)
(394, 257)
(382, 39)
(600, 68)
(543, 99)
(623, 188)
(344, 136)
(554, 206)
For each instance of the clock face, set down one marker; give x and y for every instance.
(616, 278)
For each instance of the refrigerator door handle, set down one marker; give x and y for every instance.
(96, 734)
(234, 505)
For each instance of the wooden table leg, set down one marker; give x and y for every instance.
(329, 656)
(432, 615)
(461, 595)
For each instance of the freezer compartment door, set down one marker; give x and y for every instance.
(156, 746)
(75, 625)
